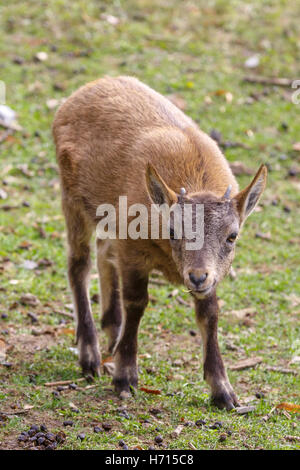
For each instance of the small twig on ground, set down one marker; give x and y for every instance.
(283, 370)
(191, 446)
(63, 382)
(285, 82)
(267, 416)
(292, 438)
(11, 413)
(181, 301)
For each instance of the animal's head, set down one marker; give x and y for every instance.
(204, 267)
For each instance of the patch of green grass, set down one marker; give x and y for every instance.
(196, 50)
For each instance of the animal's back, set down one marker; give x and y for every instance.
(108, 130)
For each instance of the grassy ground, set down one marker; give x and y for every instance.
(195, 51)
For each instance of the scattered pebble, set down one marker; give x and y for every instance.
(222, 437)
(97, 429)
(293, 172)
(68, 422)
(106, 426)
(200, 422)
(216, 425)
(158, 439)
(50, 436)
(18, 60)
(36, 438)
(216, 135)
(81, 436)
(33, 317)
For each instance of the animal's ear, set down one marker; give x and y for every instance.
(158, 190)
(247, 199)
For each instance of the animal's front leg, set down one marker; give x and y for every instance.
(134, 300)
(223, 395)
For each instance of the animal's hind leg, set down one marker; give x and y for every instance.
(110, 294)
(79, 262)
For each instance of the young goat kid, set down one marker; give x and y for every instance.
(114, 137)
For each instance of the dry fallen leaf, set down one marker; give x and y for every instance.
(28, 407)
(289, 407)
(107, 359)
(151, 391)
(246, 363)
(66, 331)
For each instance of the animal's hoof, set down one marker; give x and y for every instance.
(91, 369)
(124, 387)
(227, 400)
(90, 360)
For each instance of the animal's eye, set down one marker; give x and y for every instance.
(232, 237)
(172, 234)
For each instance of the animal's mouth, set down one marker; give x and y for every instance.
(200, 293)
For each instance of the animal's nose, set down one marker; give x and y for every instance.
(197, 280)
